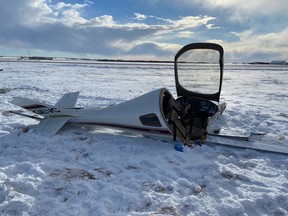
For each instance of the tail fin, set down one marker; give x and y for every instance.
(68, 100)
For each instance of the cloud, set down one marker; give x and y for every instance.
(185, 34)
(240, 10)
(139, 16)
(20, 12)
(105, 20)
(258, 47)
(258, 28)
(191, 22)
(62, 27)
(149, 47)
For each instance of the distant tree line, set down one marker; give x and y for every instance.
(36, 58)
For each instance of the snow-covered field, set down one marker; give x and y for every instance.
(81, 172)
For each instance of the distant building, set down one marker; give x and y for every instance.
(279, 62)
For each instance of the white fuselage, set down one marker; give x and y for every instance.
(144, 113)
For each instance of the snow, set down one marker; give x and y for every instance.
(84, 172)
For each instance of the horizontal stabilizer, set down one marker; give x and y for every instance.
(28, 103)
(50, 126)
(25, 115)
(68, 100)
(35, 106)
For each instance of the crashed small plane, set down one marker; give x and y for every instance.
(198, 71)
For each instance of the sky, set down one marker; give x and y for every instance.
(248, 30)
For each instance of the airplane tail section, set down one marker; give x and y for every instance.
(68, 100)
(55, 117)
(50, 126)
(34, 106)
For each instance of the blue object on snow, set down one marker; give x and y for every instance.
(178, 147)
